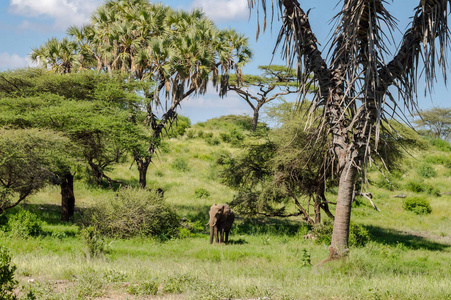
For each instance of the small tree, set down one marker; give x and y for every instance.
(282, 170)
(275, 81)
(29, 159)
(436, 120)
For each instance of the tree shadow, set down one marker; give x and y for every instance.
(412, 241)
(238, 242)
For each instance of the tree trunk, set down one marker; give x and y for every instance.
(340, 235)
(317, 209)
(255, 119)
(256, 116)
(67, 197)
(143, 165)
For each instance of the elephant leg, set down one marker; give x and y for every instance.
(216, 234)
(226, 236)
(222, 236)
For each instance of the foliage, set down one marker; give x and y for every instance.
(30, 158)
(274, 82)
(436, 120)
(201, 193)
(180, 164)
(133, 213)
(24, 224)
(99, 114)
(419, 186)
(7, 281)
(181, 125)
(95, 244)
(170, 53)
(418, 205)
(426, 171)
(441, 145)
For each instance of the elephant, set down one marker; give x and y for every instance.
(221, 220)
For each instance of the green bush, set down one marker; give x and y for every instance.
(214, 141)
(420, 187)
(225, 137)
(426, 171)
(417, 205)
(201, 193)
(441, 145)
(190, 134)
(133, 212)
(7, 281)
(358, 235)
(24, 224)
(179, 127)
(439, 159)
(180, 164)
(96, 245)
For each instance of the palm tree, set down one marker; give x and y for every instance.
(60, 56)
(354, 83)
(172, 53)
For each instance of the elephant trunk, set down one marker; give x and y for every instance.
(211, 233)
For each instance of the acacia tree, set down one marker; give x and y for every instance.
(275, 81)
(174, 54)
(91, 110)
(437, 120)
(354, 84)
(283, 170)
(30, 158)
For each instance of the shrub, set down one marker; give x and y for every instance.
(420, 187)
(133, 212)
(190, 134)
(439, 159)
(214, 141)
(225, 137)
(96, 246)
(179, 127)
(7, 282)
(180, 164)
(441, 145)
(24, 224)
(358, 235)
(426, 171)
(417, 205)
(201, 193)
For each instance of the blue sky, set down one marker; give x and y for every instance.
(25, 24)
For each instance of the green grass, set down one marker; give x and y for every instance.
(408, 256)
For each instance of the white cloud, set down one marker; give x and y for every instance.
(223, 10)
(13, 61)
(64, 12)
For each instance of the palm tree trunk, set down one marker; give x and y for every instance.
(340, 235)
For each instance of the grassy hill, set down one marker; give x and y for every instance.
(408, 255)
